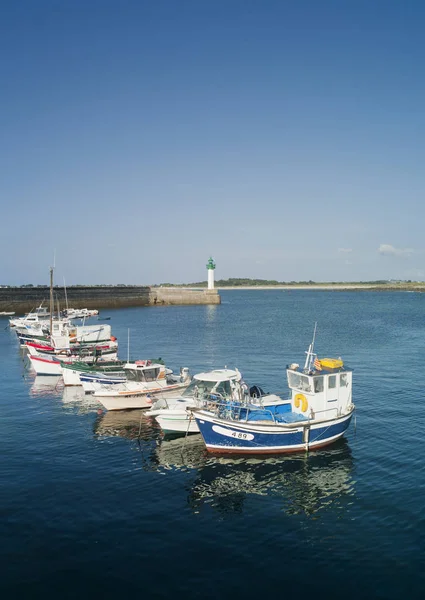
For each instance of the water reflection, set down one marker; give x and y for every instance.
(46, 385)
(302, 483)
(211, 312)
(74, 396)
(130, 424)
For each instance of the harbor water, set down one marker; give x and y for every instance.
(98, 504)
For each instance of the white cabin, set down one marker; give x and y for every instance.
(325, 392)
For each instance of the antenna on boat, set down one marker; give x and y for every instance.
(51, 300)
(128, 345)
(310, 354)
(66, 297)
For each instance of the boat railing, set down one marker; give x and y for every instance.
(325, 410)
(231, 409)
(234, 410)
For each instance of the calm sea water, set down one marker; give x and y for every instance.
(99, 505)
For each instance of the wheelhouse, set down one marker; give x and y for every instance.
(323, 390)
(152, 372)
(221, 382)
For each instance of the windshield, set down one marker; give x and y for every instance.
(142, 374)
(204, 388)
(299, 382)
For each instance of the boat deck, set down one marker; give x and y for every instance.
(284, 417)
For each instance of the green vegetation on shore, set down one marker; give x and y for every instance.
(235, 282)
(245, 282)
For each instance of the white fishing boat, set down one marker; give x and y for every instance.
(46, 365)
(41, 313)
(172, 414)
(144, 381)
(80, 313)
(130, 372)
(52, 364)
(71, 372)
(42, 348)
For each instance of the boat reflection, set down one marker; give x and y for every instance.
(44, 385)
(74, 396)
(301, 483)
(130, 424)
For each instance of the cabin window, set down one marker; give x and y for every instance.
(142, 375)
(318, 385)
(299, 382)
(151, 374)
(343, 380)
(223, 388)
(199, 388)
(331, 382)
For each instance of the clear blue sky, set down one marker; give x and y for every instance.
(284, 138)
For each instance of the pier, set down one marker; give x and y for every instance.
(24, 299)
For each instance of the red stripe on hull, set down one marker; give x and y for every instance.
(46, 360)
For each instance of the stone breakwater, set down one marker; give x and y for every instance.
(24, 299)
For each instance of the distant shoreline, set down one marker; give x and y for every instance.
(416, 287)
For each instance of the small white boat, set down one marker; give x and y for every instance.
(52, 364)
(80, 313)
(6, 314)
(46, 365)
(220, 384)
(71, 372)
(40, 314)
(146, 380)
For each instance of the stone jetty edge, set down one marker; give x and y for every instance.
(22, 299)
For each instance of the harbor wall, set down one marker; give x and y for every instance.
(24, 299)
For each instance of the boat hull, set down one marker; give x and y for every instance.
(175, 419)
(46, 366)
(222, 436)
(72, 376)
(176, 422)
(124, 400)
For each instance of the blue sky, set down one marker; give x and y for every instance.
(284, 138)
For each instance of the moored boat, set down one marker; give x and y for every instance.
(71, 372)
(219, 384)
(143, 381)
(318, 412)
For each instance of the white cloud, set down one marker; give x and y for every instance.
(388, 250)
(345, 250)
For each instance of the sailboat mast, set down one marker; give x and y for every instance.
(51, 300)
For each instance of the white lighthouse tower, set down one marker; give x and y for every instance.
(210, 269)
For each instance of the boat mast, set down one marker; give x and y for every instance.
(310, 353)
(51, 300)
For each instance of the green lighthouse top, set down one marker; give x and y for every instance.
(210, 263)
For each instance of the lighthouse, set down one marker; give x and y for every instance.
(210, 269)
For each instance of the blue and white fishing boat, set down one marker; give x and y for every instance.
(318, 412)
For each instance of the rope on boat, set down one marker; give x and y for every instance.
(140, 425)
(187, 431)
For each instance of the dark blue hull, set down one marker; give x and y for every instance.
(221, 435)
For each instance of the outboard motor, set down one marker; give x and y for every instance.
(256, 392)
(184, 374)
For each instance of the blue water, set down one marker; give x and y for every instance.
(99, 505)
